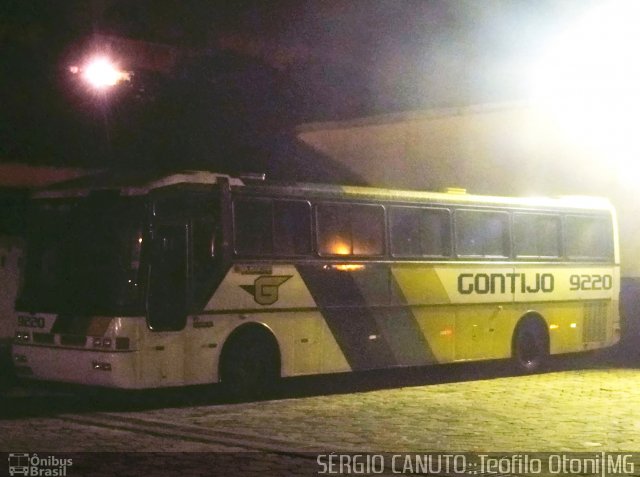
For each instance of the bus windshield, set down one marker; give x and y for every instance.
(84, 256)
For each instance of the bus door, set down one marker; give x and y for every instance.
(167, 292)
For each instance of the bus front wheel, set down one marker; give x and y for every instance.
(250, 362)
(530, 348)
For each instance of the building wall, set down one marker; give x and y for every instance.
(507, 149)
(10, 265)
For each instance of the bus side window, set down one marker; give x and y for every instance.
(334, 229)
(292, 227)
(588, 237)
(272, 227)
(536, 235)
(253, 226)
(420, 232)
(367, 229)
(350, 229)
(482, 233)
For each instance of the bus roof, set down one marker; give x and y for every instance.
(144, 183)
(398, 195)
(128, 184)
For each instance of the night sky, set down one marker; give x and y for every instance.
(255, 70)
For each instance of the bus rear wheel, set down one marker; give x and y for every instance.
(250, 363)
(530, 345)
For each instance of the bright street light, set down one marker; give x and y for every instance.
(101, 73)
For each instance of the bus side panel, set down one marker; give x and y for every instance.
(459, 306)
(437, 325)
(578, 302)
(201, 346)
(162, 355)
(334, 319)
(352, 318)
(277, 297)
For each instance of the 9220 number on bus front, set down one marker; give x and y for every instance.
(590, 282)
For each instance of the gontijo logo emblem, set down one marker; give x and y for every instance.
(265, 288)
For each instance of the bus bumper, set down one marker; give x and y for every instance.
(86, 367)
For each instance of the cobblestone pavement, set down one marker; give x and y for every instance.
(569, 409)
(560, 411)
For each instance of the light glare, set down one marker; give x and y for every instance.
(588, 83)
(102, 73)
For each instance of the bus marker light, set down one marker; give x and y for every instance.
(373, 337)
(22, 337)
(573, 325)
(455, 190)
(97, 365)
(348, 267)
(554, 327)
(446, 332)
(101, 342)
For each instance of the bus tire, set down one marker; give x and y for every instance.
(250, 362)
(530, 345)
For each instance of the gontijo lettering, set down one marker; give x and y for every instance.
(490, 283)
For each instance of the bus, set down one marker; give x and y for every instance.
(198, 277)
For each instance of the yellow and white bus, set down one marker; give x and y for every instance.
(200, 278)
